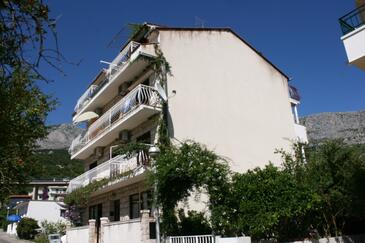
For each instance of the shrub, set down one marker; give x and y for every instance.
(41, 238)
(54, 228)
(27, 228)
(4, 225)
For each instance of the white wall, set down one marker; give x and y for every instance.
(78, 235)
(228, 97)
(44, 210)
(123, 232)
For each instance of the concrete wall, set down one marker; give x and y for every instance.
(123, 232)
(78, 235)
(227, 97)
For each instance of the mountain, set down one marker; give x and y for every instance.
(52, 160)
(349, 126)
(60, 136)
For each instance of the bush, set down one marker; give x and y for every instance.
(54, 228)
(27, 228)
(4, 225)
(41, 238)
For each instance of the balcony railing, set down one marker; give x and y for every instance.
(122, 59)
(294, 93)
(89, 93)
(119, 62)
(141, 95)
(353, 20)
(117, 167)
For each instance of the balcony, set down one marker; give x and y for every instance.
(113, 168)
(133, 109)
(353, 29)
(125, 67)
(301, 133)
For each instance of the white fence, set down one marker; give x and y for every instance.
(122, 232)
(78, 235)
(207, 239)
(192, 239)
(141, 95)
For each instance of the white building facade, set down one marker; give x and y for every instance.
(222, 93)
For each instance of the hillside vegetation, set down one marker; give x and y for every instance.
(56, 164)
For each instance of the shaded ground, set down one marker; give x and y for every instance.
(5, 238)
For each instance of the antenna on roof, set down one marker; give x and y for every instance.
(119, 38)
(199, 22)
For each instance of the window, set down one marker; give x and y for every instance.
(144, 138)
(63, 212)
(146, 200)
(138, 202)
(116, 211)
(93, 165)
(134, 206)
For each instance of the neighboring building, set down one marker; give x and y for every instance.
(353, 29)
(44, 202)
(51, 190)
(223, 93)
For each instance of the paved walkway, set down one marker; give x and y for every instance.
(5, 238)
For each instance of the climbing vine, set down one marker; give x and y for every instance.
(180, 170)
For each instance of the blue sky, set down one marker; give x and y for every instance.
(301, 37)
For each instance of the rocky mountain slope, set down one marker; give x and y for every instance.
(60, 136)
(349, 126)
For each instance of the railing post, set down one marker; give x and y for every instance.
(110, 117)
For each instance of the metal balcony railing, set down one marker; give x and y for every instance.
(294, 93)
(141, 95)
(85, 97)
(119, 165)
(353, 20)
(119, 62)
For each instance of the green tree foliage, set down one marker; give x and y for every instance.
(193, 223)
(49, 164)
(269, 203)
(23, 106)
(181, 169)
(336, 172)
(317, 196)
(26, 228)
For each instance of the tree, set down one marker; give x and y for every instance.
(269, 204)
(24, 29)
(336, 172)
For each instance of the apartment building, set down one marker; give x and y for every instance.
(353, 30)
(51, 190)
(222, 93)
